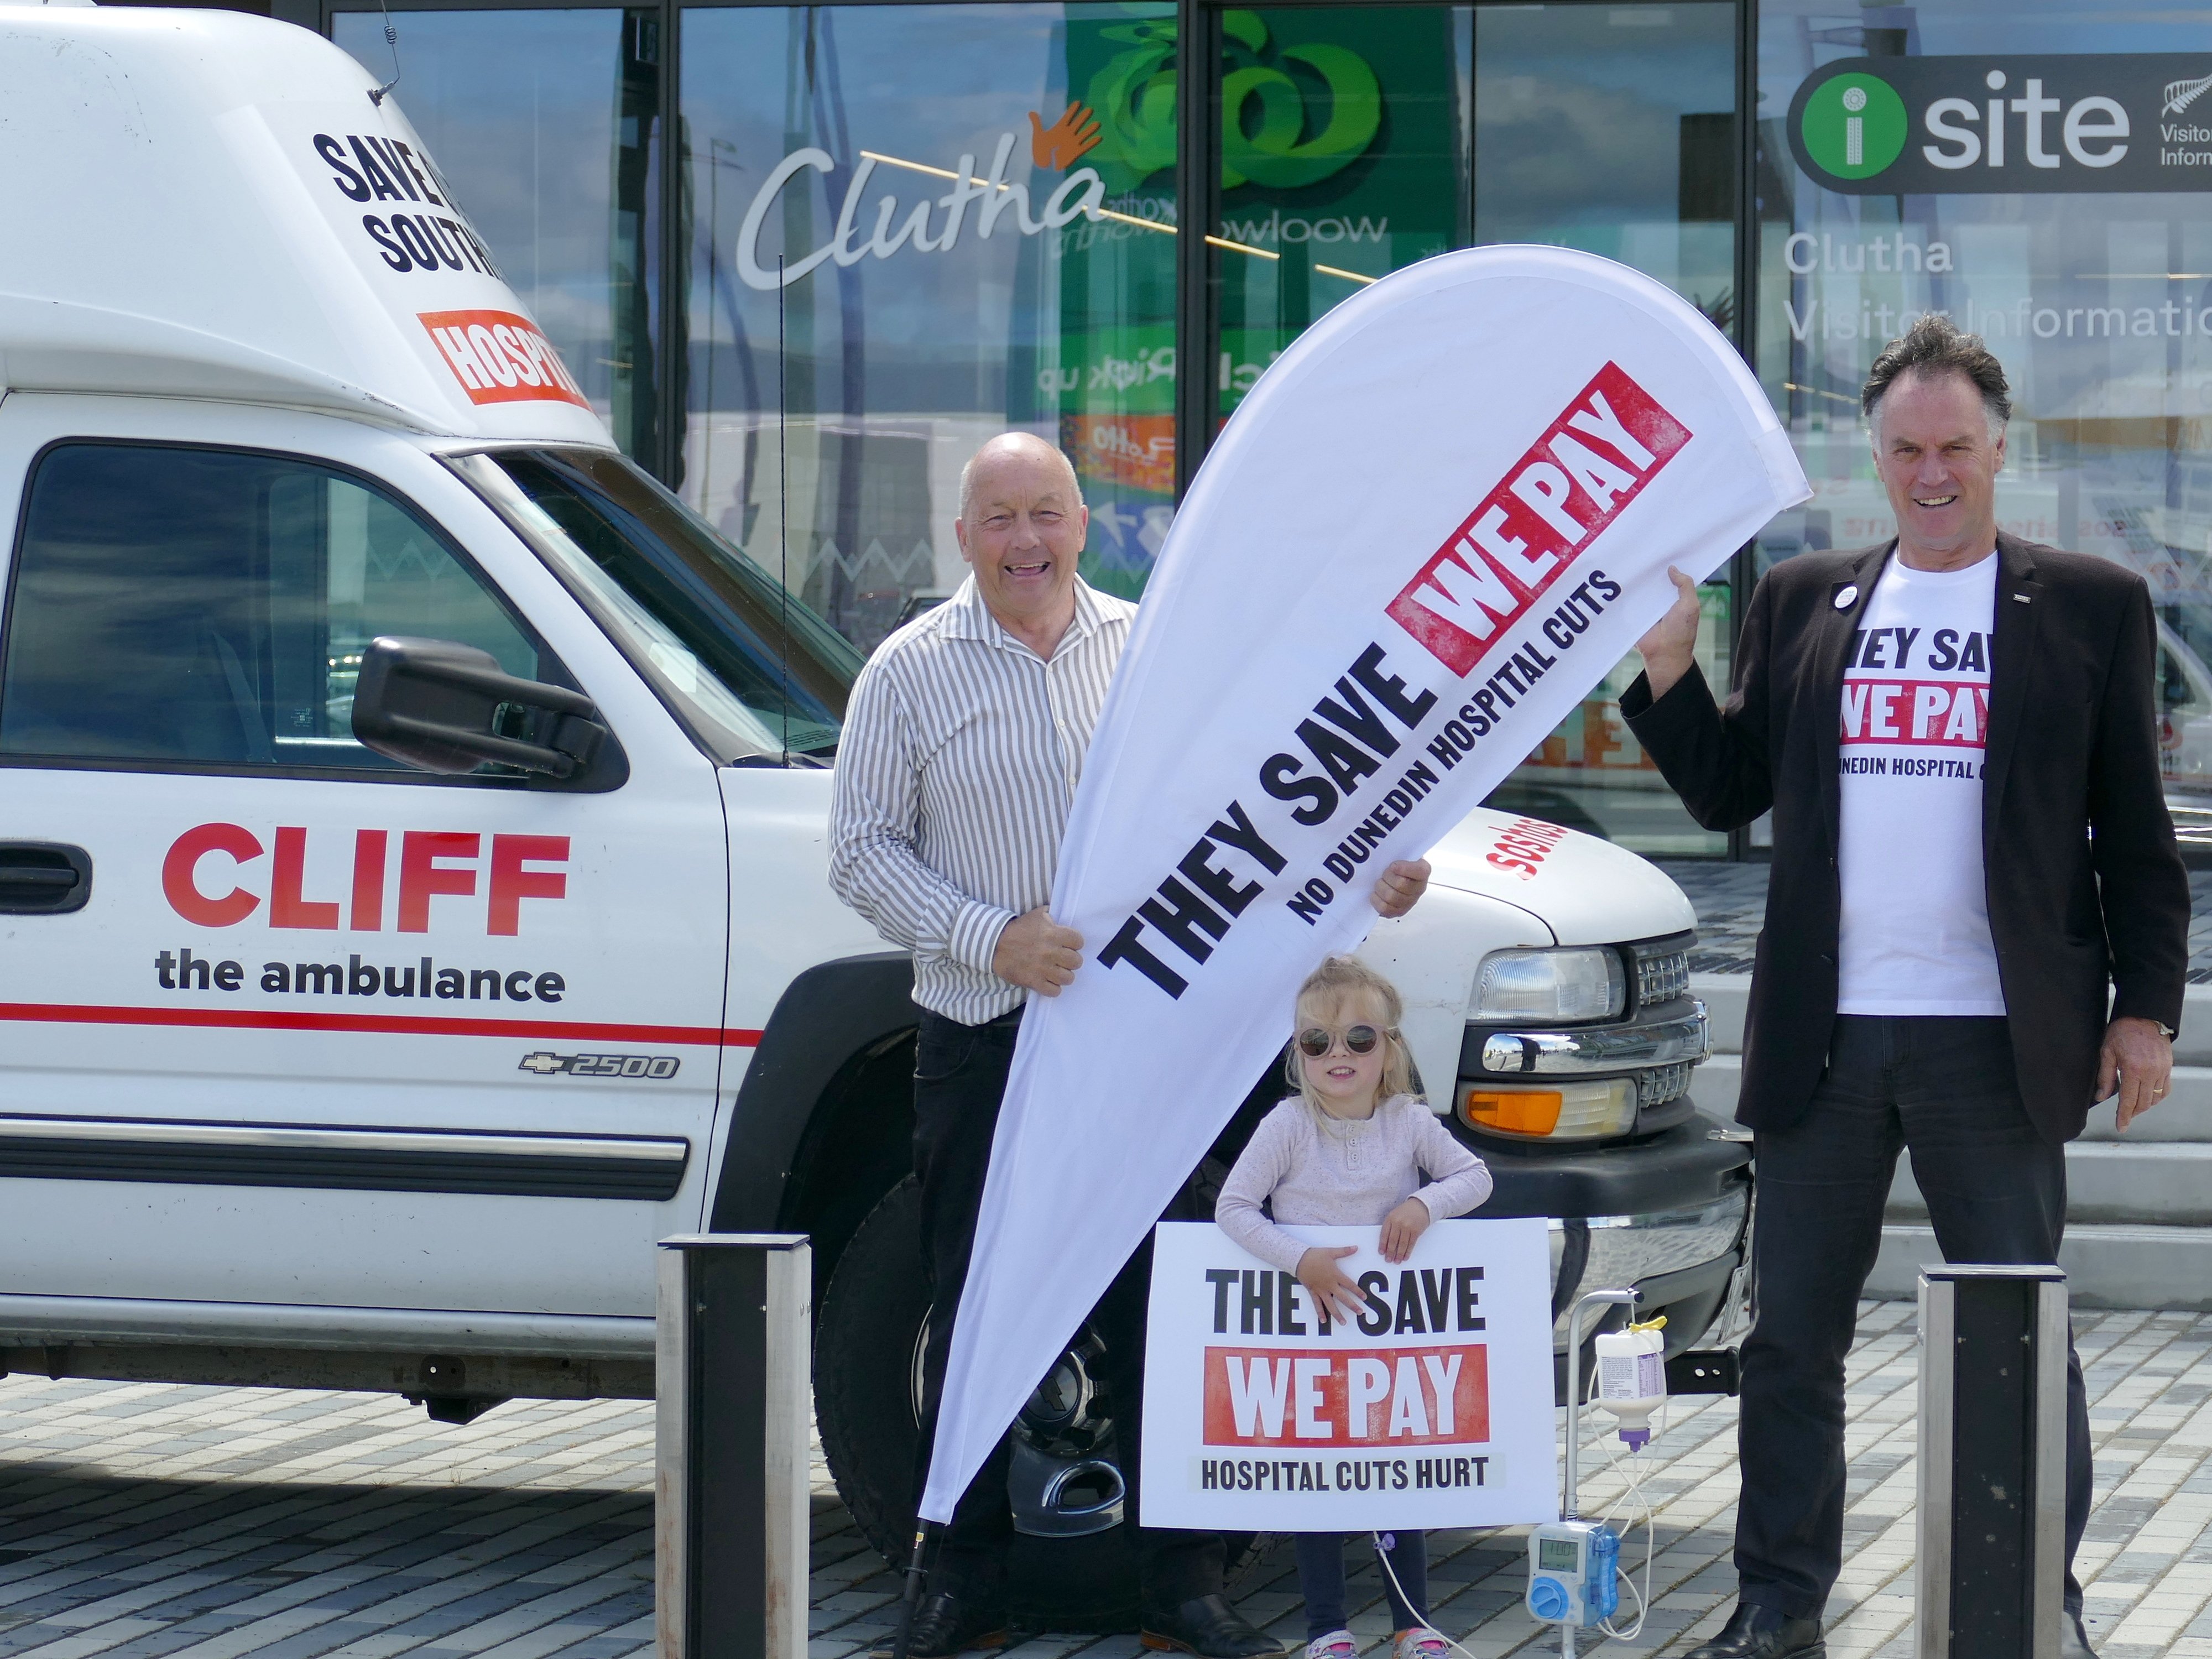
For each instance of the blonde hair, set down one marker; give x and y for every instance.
(1337, 981)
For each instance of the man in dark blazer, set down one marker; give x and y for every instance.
(1975, 925)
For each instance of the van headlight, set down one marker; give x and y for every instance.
(1583, 983)
(1594, 1110)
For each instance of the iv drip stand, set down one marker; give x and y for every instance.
(1614, 1298)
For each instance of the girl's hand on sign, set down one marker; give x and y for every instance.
(1403, 1229)
(1339, 1300)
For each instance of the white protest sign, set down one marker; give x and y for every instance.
(1434, 1410)
(1440, 518)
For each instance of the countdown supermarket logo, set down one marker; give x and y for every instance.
(1898, 126)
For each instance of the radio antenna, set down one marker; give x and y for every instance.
(783, 500)
(377, 94)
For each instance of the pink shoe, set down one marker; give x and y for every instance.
(1337, 1644)
(1420, 1643)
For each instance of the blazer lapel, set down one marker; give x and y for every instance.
(1833, 630)
(2012, 654)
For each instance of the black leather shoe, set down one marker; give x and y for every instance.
(2073, 1640)
(946, 1624)
(1210, 1627)
(1756, 1632)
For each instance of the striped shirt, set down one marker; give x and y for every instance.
(955, 772)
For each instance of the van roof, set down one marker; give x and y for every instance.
(208, 204)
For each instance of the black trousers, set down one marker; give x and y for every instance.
(959, 1080)
(1943, 1089)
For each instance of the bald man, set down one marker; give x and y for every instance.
(962, 744)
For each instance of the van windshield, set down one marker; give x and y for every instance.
(751, 671)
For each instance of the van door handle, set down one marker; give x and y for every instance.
(42, 878)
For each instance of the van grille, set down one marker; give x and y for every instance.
(1661, 1085)
(1662, 973)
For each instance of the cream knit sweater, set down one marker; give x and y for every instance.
(1344, 1174)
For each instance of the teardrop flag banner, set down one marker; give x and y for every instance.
(1438, 520)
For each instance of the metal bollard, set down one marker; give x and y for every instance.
(1992, 1506)
(734, 1371)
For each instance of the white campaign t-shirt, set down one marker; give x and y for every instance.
(1916, 922)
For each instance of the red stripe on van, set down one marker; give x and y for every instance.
(393, 1025)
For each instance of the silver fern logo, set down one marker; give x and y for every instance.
(2180, 94)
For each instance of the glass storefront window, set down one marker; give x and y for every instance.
(1343, 158)
(1612, 129)
(975, 209)
(2037, 170)
(928, 176)
(554, 158)
(1357, 140)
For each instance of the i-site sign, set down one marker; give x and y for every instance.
(1913, 126)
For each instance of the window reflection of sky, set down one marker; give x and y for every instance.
(897, 367)
(1584, 121)
(926, 84)
(518, 108)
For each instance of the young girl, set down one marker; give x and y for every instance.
(1350, 1151)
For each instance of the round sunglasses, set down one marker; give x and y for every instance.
(1315, 1041)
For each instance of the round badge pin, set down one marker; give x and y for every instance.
(1847, 597)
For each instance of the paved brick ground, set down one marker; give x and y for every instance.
(219, 1523)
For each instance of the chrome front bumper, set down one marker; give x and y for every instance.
(1628, 1250)
(1598, 1048)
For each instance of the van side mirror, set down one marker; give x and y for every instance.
(447, 707)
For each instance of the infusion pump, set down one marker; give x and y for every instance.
(1571, 1572)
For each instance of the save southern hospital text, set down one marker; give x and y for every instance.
(1515, 550)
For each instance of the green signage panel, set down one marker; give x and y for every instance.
(1941, 126)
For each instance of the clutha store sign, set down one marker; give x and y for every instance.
(1899, 126)
(931, 226)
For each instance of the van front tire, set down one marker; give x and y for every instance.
(864, 1343)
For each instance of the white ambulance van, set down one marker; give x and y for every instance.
(413, 895)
